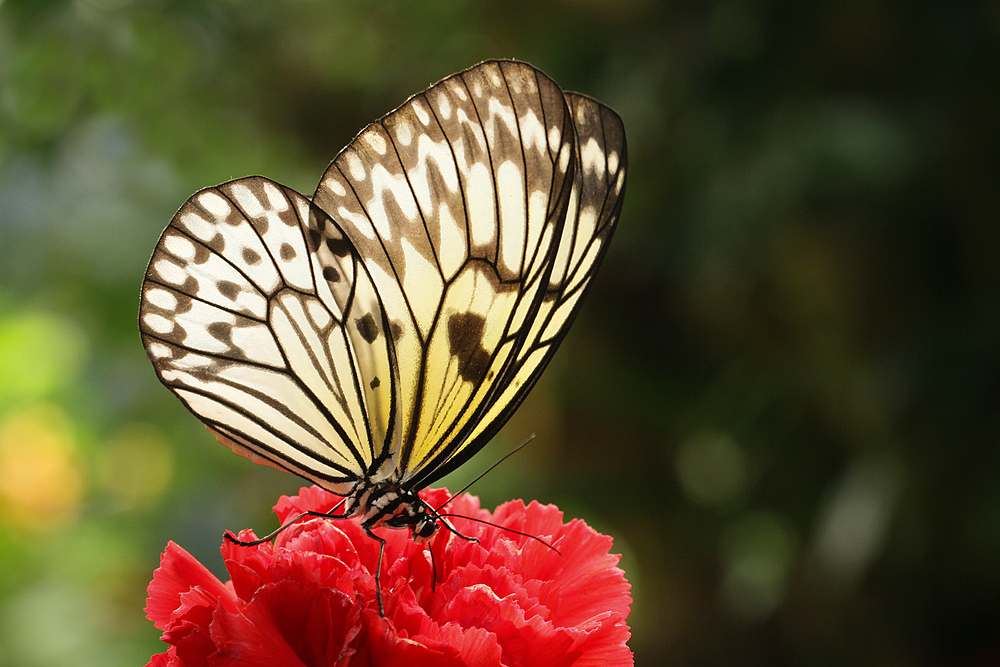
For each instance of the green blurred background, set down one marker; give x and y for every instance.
(782, 397)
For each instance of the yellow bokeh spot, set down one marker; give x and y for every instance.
(135, 465)
(41, 480)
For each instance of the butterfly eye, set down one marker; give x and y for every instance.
(426, 529)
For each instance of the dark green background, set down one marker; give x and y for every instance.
(780, 398)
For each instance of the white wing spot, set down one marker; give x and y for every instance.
(386, 185)
(555, 136)
(564, 158)
(158, 323)
(592, 157)
(587, 224)
(421, 113)
(404, 133)
(214, 203)
(335, 186)
(179, 247)
(376, 141)
(533, 132)
(199, 227)
(170, 272)
(444, 105)
(356, 167)
(538, 202)
(248, 200)
(275, 198)
(361, 223)
(159, 351)
(161, 298)
(499, 109)
(613, 161)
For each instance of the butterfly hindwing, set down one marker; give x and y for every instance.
(277, 347)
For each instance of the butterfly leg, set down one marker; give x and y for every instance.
(378, 569)
(270, 536)
(434, 572)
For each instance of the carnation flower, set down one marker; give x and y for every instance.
(309, 599)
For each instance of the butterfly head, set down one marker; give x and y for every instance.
(413, 514)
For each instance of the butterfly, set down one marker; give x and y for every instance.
(374, 337)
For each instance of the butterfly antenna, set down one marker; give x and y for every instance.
(495, 525)
(288, 524)
(485, 472)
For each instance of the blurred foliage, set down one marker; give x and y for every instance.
(781, 397)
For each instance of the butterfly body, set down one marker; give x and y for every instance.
(375, 336)
(386, 504)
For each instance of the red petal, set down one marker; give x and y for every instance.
(324, 537)
(319, 624)
(310, 499)
(167, 659)
(605, 645)
(178, 573)
(246, 578)
(479, 648)
(386, 647)
(583, 580)
(250, 639)
(310, 598)
(193, 644)
(534, 519)
(531, 642)
(412, 570)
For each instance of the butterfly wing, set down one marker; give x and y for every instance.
(458, 201)
(593, 209)
(276, 343)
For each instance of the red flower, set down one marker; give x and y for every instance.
(309, 598)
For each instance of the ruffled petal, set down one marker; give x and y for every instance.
(166, 659)
(178, 573)
(387, 647)
(310, 598)
(605, 642)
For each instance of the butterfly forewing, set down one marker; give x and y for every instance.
(455, 200)
(488, 293)
(592, 211)
(260, 335)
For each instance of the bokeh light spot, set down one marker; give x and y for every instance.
(39, 353)
(855, 519)
(712, 469)
(135, 466)
(41, 480)
(758, 552)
